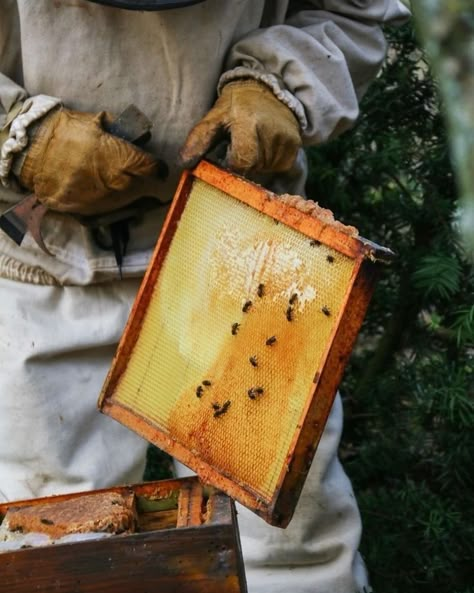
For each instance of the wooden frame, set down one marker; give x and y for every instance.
(278, 511)
(190, 544)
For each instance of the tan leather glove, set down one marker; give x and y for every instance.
(72, 165)
(264, 132)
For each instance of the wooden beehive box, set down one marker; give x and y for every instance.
(239, 336)
(186, 541)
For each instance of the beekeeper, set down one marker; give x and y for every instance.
(272, 77)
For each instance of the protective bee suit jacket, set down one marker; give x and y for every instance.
(62, 316)
(317, 56)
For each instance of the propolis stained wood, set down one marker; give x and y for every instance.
(186, 540)
(239, 335)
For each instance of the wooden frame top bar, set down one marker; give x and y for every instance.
(268, 203)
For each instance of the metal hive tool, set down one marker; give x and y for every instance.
(239, 336)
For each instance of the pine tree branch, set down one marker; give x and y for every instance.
(400, 322)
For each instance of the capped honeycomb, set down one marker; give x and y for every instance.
(240, 320)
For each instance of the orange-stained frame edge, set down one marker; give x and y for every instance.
(268, 203)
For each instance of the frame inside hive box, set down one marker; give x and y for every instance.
(184, 537)
(239, 336)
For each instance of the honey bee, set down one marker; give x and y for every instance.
(253, 361)
(326, 311)
(293, 298)
(216, 406)
(223, 409)
(261, 290)
(315, 243)
(199, 391)
(207, 383)
(330, 259)
(289, 313)
(271, 341)
(246, 306)
(235, 328)
(254, 392)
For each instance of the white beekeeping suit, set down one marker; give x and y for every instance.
(61, 316)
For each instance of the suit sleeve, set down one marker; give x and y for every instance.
(11, 91)
(320, 61)
(17, 110)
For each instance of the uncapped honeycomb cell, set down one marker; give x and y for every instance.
(240, 320)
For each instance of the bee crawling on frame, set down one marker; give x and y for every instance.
(315, 243)
(207, 383)
(293, 298)
(246, 306)
(261, 290)
(215, 406)
(222, 410)
(330, 259)
(270, 341)
(326, 311)
(253, 361)
(235, 328)
(254, 392)
(199, 391)
(289, 313)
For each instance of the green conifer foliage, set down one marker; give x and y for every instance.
(408, 444)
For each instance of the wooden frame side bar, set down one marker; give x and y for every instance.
(190, 505)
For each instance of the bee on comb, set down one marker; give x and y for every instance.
(222, 410)
(246, 306)
(254, 392)
(293, 298)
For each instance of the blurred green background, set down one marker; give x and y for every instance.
(408, 443)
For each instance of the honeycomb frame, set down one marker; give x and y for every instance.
(275, 498)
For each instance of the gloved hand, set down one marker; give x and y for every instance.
(73, 165)
(264, 132)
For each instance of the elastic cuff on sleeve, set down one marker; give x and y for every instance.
(273, 83)
(32, 110)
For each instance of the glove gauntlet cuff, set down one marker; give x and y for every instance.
(19, 120)
(273, 83)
